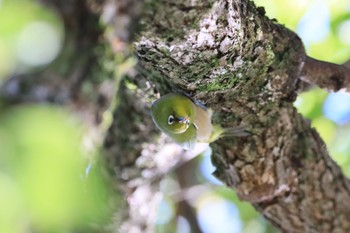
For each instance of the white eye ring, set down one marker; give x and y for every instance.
(171, 119)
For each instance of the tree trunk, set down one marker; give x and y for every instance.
(247, 68)
(225, 53)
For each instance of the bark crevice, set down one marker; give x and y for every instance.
(248, 71)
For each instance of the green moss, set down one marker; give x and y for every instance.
(221, 82)
(196, 72)
(211, 86)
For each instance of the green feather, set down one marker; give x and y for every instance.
(197, 128)
(178, 106)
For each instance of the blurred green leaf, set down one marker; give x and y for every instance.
(280, 10)
(309, 103)
(41, 154)
(16, 37)
(325, 127)
(11, 219)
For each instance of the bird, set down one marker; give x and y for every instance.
(188, 122)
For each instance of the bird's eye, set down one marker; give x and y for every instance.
(171, 119)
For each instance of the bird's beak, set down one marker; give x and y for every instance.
(184, 120)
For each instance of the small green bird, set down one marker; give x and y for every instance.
(187, 122)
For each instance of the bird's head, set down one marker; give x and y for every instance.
(173, 113)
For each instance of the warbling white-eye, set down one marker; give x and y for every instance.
(187, 122)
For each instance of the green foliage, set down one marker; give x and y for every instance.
(333, 47)
(42, 173)
(20, 40)
(280, 10)
(310, 105)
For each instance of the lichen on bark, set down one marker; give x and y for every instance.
(247, 69)
(226, 54)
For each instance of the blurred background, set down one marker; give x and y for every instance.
(31, 36)
(41, 144)
(50, 178)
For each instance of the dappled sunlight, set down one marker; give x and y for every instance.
(337, 107)
(309, 103)
(321, 25)
(31, 36)
(317, 18)
(38, 44)
(330, 115)
(217, 215)
(166, 212)
(279, 10)
(52, 178)
(217, 208)
(206, 168)
(325, 127)
(182, 225)
(343, 32)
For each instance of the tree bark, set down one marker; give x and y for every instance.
(247, 68)
(225, 53)
(329, 76)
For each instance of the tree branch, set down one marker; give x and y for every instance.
(332, 77)
(247, 69)
(186, 180)
(228, 55)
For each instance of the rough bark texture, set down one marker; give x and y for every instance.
(228, 55)
(138, 161)
(327, 75)
(247, 69)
